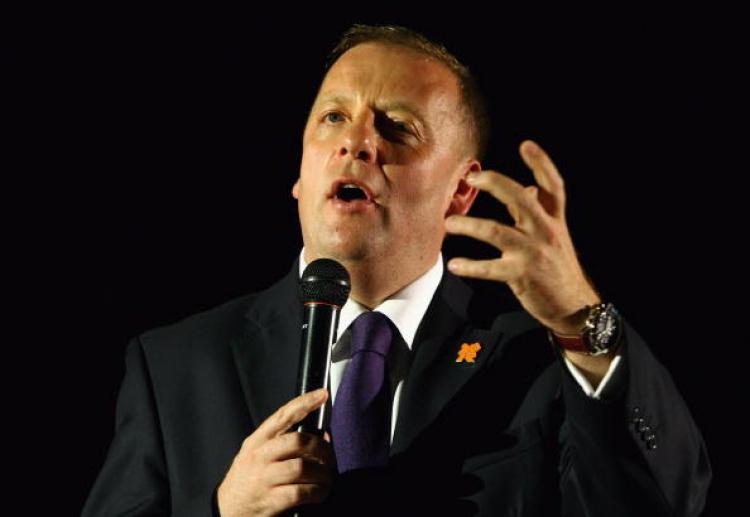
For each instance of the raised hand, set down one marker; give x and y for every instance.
(539, 262)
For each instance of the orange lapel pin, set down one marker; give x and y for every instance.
(468, 352)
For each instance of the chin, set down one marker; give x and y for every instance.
(345, 248)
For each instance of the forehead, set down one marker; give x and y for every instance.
(392, 76)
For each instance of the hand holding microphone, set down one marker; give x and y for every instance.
(275, 469)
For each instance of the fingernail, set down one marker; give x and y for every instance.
(532, 148)
(472, 177)
(320, 395)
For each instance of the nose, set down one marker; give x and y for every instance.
(360, 139)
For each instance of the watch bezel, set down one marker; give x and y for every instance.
(597, 343)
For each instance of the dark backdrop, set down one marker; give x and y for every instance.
(158, 152)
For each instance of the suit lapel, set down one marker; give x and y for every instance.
(435, 376)
(267, 352)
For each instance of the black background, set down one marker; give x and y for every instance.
(153, 155)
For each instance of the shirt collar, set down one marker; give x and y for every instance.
(405, 308)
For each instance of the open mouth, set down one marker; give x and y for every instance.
(350, 192)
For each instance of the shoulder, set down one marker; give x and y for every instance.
(208, 334)
(200, 334)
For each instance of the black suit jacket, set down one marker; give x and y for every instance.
(510, 434)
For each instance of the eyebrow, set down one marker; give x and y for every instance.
(389, 105)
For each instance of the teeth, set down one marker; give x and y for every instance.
(350, 185)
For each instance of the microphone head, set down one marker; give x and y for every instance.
(325, 281)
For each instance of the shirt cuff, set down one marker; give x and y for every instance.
(585, 384)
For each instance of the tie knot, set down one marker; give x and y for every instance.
(372, 331)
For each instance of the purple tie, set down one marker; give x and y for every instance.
(361, 415)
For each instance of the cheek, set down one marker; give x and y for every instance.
(421, 206)
(310, 175)
(305, 167)
(424, 190)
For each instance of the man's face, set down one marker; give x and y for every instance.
(384, 154)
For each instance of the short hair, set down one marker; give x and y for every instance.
(474, 104)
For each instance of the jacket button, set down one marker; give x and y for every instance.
(651, 444)
(635, 414)
(648, 436)
(640, 425)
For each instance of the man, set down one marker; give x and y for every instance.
(521, 414)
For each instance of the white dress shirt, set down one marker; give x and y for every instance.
(405, 309)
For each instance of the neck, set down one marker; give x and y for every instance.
(374, 281)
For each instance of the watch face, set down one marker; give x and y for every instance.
(606, 328)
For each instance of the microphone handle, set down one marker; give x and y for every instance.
(318, 336)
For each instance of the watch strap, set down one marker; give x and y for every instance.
(587, 341)
(572, 343)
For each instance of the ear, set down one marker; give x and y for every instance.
(464, 195)
(295, 189)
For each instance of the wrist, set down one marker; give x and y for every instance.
(573, 325)
(599, 335)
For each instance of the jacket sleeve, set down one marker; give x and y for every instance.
(134, 479)
(636, 451)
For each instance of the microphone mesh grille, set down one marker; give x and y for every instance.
(325, 280)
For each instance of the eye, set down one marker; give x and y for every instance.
(401, 126)
(327, 116)
(395, 130)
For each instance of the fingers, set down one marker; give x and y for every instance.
(529, 206)
(496, 234)
(501, 236)
(298, 445)
(499, 185)
(547, 177)
(501, 270)
(298, 470)
(299, 494)
(276, 469)
(289, 414)
(522, 202)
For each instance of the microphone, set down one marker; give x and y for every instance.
(324, 287)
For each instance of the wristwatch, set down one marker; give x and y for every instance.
(600, 335)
